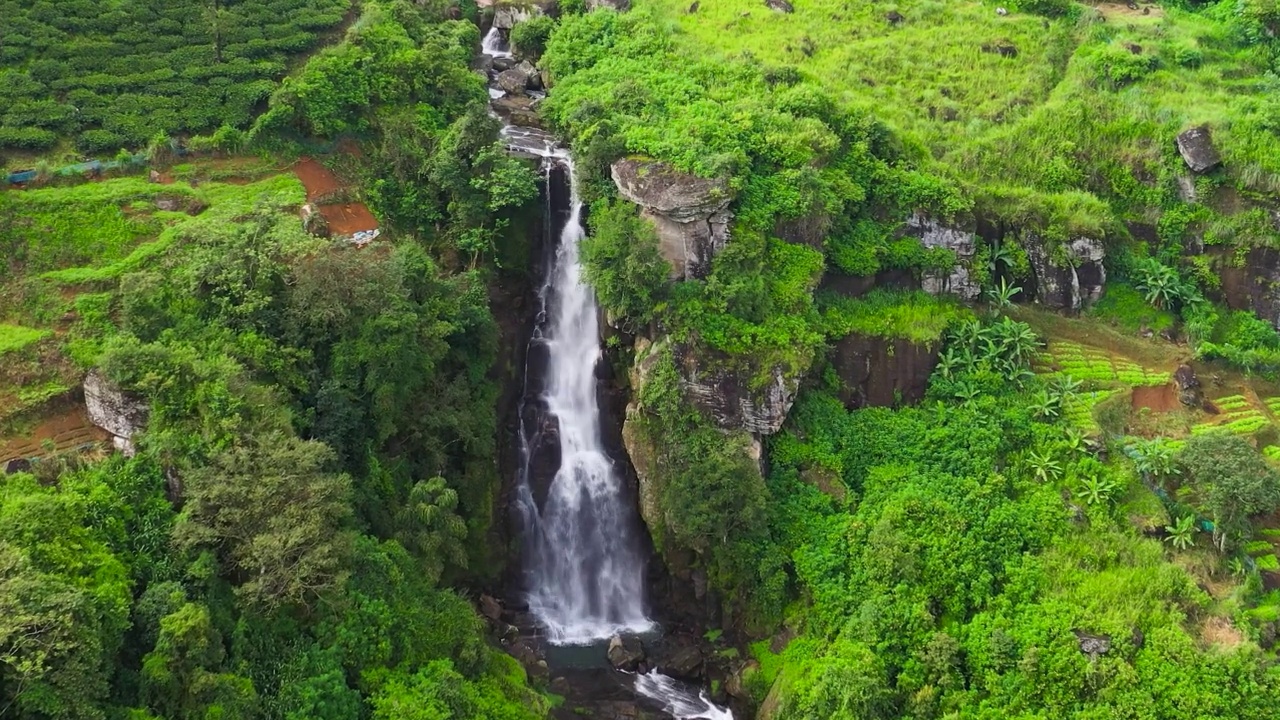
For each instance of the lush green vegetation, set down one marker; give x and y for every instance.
(318, 475)
(116, 77)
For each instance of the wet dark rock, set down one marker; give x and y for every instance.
(894, 17)
(503, 63)
(1190, 392)
(694, 7)
(1197, 149)
(625, 653)
(681, 658)
(878, 372)
(1138, 638)
(1092, 645)
(490, 607)
(517, 79)
(544, 449)
(518, 109)
(781, 6)
(736, 684)
(690, 213)
(561, 686)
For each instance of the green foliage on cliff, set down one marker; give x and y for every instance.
(915, 316)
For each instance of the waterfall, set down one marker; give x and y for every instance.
(584, 567)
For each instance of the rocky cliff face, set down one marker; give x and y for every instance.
(729, 399)
(879, 372)
(1067, 279)
(1256, 285)
(960, 238)
(122, 414)
(691, 214)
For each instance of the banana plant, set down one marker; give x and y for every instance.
(1096, 490)
(1044, 467)
(1182, 533)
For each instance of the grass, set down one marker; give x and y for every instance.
(892, 314)
(1126, 308)
(225, 202)
(16, 337)
(1086, 104)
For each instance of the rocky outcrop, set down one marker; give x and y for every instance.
(781, 6)
(518, 79)
(619, 5)
(730, 401)
(120, 413)
(1256, 285)
(1067, 277)
(880, 372)
(1190, 392)
(507, 16)
(1197, 150)
(959, 238)
(690, 213)
(518, 110)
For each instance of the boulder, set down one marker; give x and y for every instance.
(1197, 150)
(490, 607)
(781, 6)
(517, 79)
(959, 238)
(120, 413)
(1092, 645)
(682, 659)
(690, 213)
(625, 654)
(879, 372)
(619, 5)
(502, 63)
(1190, 393)
(518, 110)
(1069, 276)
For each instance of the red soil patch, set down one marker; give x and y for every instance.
(316, 178)
(348, 219)
(68, 430)
(1161, 398)
(320, 183)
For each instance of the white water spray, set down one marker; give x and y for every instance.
(680, 702)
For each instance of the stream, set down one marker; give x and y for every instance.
(584, 560)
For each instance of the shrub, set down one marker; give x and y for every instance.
(529, 38)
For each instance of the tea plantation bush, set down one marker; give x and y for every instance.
(114, 75)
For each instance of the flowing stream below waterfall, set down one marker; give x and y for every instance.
(584, 559)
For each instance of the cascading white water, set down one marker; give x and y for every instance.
(678, 700)
(584, 567)
(585, 570)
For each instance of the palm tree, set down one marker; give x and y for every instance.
(1044, 467)
(1182, 533)
(430, 528)
(948, 362)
